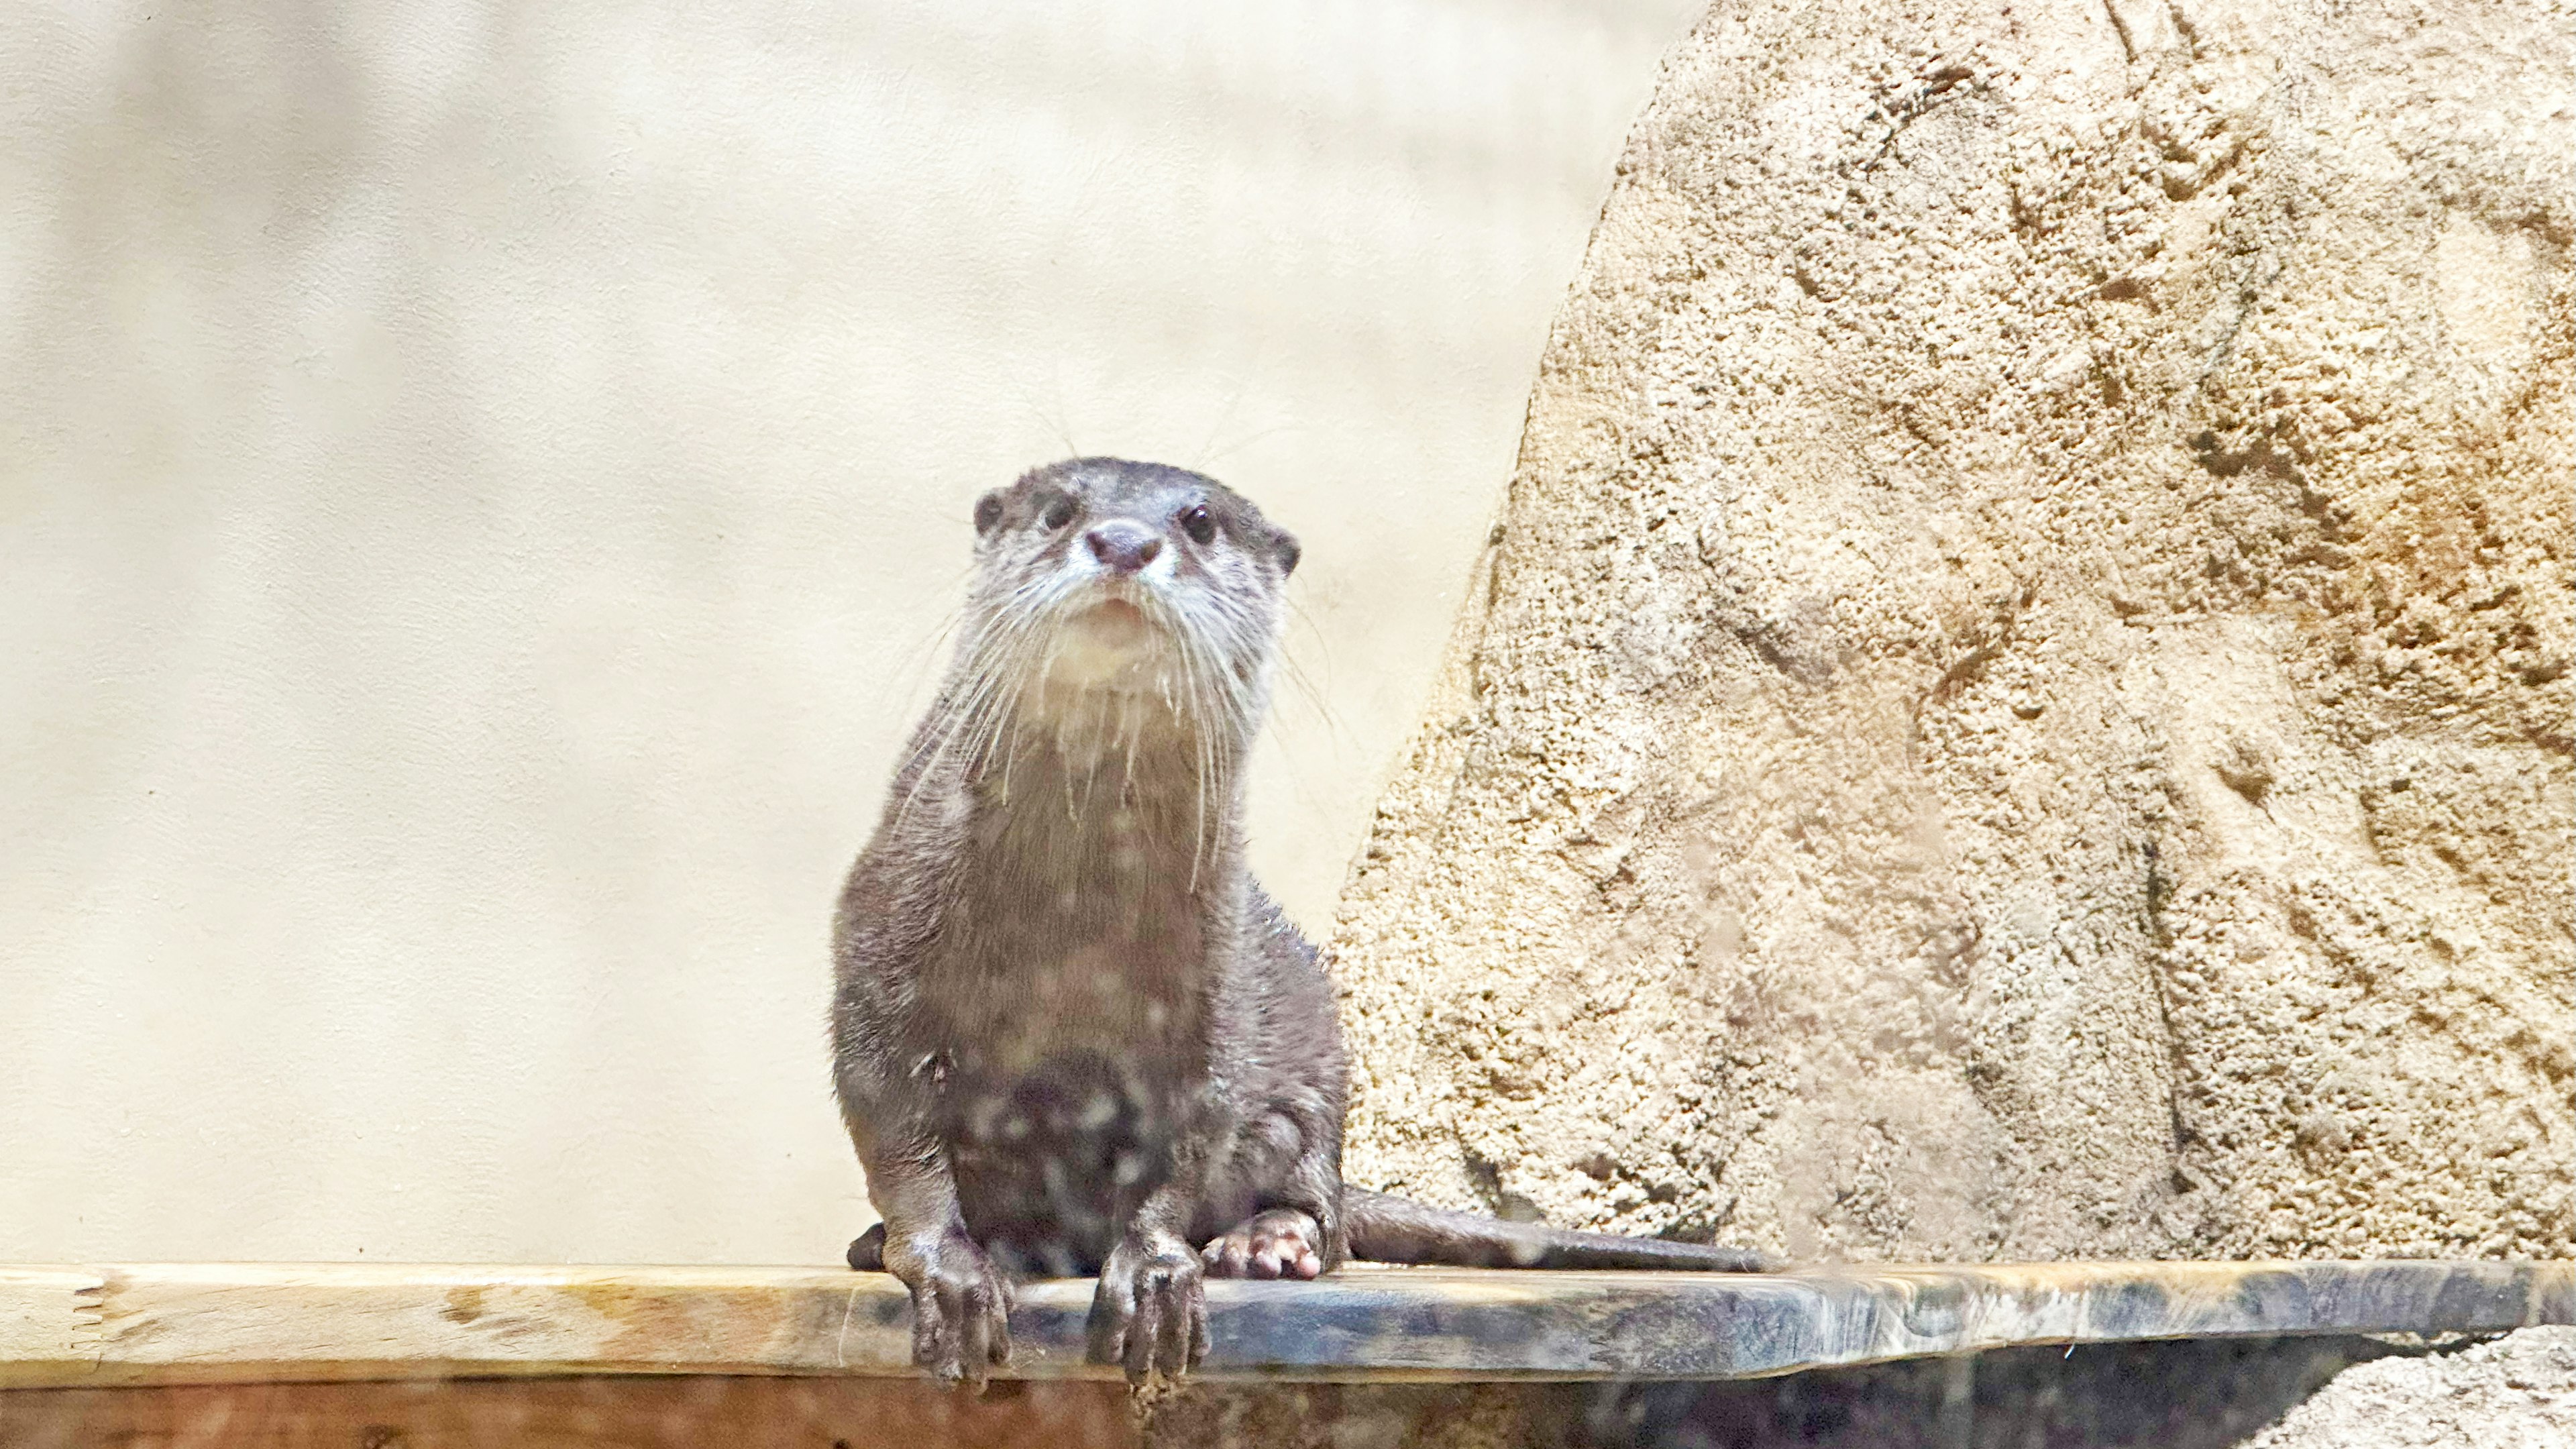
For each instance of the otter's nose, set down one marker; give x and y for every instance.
(1123, 545)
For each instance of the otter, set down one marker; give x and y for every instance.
(1071, 1034)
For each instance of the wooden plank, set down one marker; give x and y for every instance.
(186, 1323)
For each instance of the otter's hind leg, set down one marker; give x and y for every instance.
(1291, 1180)
(867, 1250)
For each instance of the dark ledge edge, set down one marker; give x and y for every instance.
(174, 1323)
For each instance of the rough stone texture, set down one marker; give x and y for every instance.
(2019, 707)
(2516, 1393)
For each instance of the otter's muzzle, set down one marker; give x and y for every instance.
(1123, 545)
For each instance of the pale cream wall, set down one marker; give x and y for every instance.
(479, 487)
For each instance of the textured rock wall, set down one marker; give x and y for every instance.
(2018, 706)
(2518, 1392)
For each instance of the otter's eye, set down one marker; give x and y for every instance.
(1060, 512)
(1199, 524)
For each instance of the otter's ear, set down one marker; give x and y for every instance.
(1283, 546)
(988, 511)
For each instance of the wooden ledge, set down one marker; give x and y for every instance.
(183, 1323)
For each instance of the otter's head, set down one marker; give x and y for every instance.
(1118, 594)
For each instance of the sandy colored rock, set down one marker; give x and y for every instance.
(2518, 1392)
(2019, 705)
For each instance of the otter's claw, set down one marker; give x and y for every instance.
(1150, 1312)
(961, 1326)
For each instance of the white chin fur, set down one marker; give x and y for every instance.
(1112, 647)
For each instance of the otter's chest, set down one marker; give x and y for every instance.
(1022, 986)
(1076, 925)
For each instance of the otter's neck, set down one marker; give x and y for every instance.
(1090, 893)
(1106, 825)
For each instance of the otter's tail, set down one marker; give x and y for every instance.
(1386, 1229)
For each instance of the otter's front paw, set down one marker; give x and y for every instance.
(1150, 1313)
(961, 1323)
(1280, 1243)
